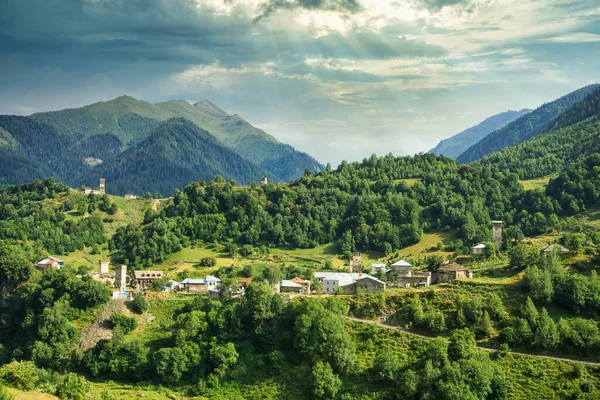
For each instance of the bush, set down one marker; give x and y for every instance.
(578, 370)
(208, 262)
(19, 374)
(4, 394)
(73, 387)
(139, 303)
(125, 323)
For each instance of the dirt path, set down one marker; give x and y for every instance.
(100, 330)
(398, 328)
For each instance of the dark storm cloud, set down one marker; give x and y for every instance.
(107, 35)
(350, 6)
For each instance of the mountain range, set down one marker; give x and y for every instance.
(457, 144)
(139, 146)
(526, 127)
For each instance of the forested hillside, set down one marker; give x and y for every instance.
(73, 144)
(457, 144)
(565, 144)
(175, 153)
(360, 206)
(538, 121)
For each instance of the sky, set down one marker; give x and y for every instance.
(338, 79)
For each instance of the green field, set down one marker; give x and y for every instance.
(538, 183)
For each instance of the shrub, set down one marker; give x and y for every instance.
(73, 387)
(4, 394)
(125, 323)
(139, 303)
(578, 370)
(208, 262)
(19, 374)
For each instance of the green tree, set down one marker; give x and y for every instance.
(462, 344)
(434, 262)
(73, 387)
(15, 266)
(546, 333)
(170, 364)
(539, 283)
(325, 383)
(139, 303)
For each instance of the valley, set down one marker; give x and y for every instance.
(394, 277)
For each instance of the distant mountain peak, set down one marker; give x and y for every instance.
(454, 146)
(206, 104)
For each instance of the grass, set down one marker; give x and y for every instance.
(33, 395)
(130, 392)
(428, 245)
(409, 181)
(538, 183)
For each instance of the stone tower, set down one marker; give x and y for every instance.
(102, 186)
(121, 277)
(497, 233)
(356, 263)
(104, 264)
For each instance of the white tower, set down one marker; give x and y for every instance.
(102, 186)
(121, 277)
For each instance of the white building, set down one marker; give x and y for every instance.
(377, 268)
(478, 249)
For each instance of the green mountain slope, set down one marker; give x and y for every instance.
(130, 120)
(553, 151)
(457, 144)
(175, 153)
(525, 127)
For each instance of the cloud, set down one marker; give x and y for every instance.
(574, 37)
(438, 4)
(349, 6)
(353, 65)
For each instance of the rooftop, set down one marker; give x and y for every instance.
(141, 274)
(372, 278)
(558, 247)
(453, 267)
(401, 263)
(286, 283)
(479, 246)
(200, 281)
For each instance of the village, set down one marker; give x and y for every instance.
(357, 279)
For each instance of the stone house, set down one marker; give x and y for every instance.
(369, 284)
(401, 268)
(200, 285)
(346, 283)
(549, 249)
(142, 279)
(451, 272)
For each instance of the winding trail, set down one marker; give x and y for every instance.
(398, 328)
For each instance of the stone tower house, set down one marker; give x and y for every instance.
(121, 277)
(497, 233)
(102, 186)
(356, 263)
(104, 264)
